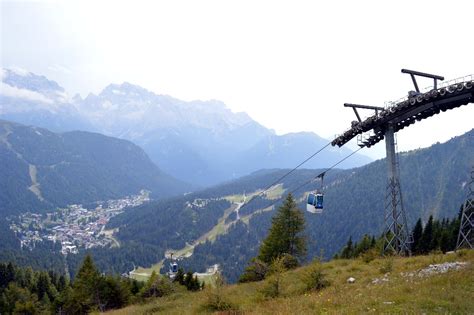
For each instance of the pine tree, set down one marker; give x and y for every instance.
(86, 286)
(426, 240)
(179, 276)
(363, 246)
(3, 303)
(188, 278)
(150, 287)
(62, 283)
(437, 230)
(43, 286)
(347, 252)
(373, 242)
(417, 233)
(444, 241)
(10, 273)
(285, 235)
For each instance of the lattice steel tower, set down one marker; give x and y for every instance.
(466, 233)
(396, 228)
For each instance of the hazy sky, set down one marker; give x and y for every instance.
(290, 64)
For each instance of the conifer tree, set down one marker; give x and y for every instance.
(444, 242)
(347, 252)
(417, 233)
(179, 276)
(373, 242)
(188, 278)
(426, 240)
(43, 286)
(363, 246)
(150, 288)
(86, 286)
(285, 235)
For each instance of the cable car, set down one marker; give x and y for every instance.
(173, 269)
(315, 200)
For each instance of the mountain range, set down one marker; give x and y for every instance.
(46, 165)
(200, 142)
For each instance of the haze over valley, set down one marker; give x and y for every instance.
(223, 157)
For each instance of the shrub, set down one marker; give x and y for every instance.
(436, 257)
(273, 287)
(216, 301)
(255, 271)
(461, 252)
(157, 286)
(314, 278)
(387, 265)
(369, 255)
(289, 261)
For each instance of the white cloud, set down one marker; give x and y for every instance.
(63, 97)
(19, 71)
(60, 68)
(291, 65)
(11, 91)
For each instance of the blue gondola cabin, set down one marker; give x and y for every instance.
(174, 267)
(314, 203)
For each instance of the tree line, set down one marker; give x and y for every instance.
(25, 291)
(435, 235)
(287, 243)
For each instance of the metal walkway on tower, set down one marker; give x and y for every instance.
(415, 107)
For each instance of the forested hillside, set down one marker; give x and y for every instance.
(206, 224)
(432, 182)
(41, 170)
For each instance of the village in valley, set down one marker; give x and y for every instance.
(74, 227)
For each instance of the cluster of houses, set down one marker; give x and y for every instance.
(74, 227)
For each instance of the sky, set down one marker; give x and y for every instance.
(291, 65)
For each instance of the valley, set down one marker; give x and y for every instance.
(353, 207)
(203, 228)
(230, 217)
(229, 157)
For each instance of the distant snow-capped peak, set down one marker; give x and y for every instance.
(27, 87)
(130, 103)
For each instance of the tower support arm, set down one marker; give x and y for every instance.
(363, 106)
(422, 74)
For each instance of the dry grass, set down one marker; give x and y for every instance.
(451, 292)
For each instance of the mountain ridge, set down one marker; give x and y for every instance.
(42, 169)
(202, 142)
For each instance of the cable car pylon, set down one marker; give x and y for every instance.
(466, 227)
(397, 237)
(385, 123)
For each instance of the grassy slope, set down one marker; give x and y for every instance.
(451, 292)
